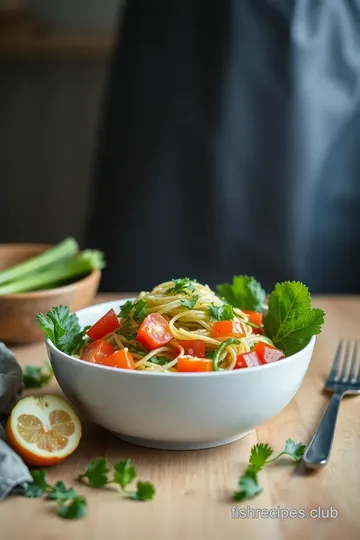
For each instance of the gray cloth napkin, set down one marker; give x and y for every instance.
(14, 474)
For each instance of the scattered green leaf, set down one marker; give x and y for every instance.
(145, 491)
(96, 473)
(59, 492)
(39, 486)
(259, 457)
(79, 340)
(73, 509)
(37, 377)
(248, 487)
(124, 473)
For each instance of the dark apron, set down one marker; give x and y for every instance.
(231, 144)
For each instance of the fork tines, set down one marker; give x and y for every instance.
(342, 370)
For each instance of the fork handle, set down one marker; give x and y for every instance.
(317, 453)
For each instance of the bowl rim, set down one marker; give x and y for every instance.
(225, 373)
(54, 291)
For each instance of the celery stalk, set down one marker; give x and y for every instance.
(66, 248)
(56, 274)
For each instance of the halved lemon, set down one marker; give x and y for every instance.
(43, 430)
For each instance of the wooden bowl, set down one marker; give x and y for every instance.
(18, 311)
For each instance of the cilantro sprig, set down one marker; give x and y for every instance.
(189, 303)
(138, 311)
(220, 313)
(97, 475)
(70, 505)
(37, 376)
(181, 286)
(259, 457)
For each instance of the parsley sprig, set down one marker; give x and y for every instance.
(97, 475)
(138, 310)
(71, 505)
(37, 376)
(259, 457)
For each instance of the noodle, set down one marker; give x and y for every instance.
(169, 300)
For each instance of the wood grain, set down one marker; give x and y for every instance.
(194, 488)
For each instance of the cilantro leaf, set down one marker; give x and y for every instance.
(259, 454)
(145, 491)
(37, 377)
(79, 340)
(291, 321)
(125, 309)
(249, 487)
(293, 449)
(189, 303)
(220, 313)
(159, 360)
(60, 326)
(75, 509)
(140, 311)
(180, 286)
(124, 473)
(60, 493)
(38, 486)
(96, 473)
(244, 293)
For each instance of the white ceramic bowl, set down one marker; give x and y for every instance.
(174, 411)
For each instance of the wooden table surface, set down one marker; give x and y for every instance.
(193, 499)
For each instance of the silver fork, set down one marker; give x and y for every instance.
(346, 381)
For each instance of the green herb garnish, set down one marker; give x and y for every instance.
(189, 303)
(159, 360)
(125, 309)
(220, 313)
(259, 457)
(244, 293)
(140, 311)
(37, 377)
(61, 327)
(181, 286)
(97, 475)
(70, 504)
(290, 321)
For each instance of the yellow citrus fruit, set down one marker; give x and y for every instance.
(43, 430)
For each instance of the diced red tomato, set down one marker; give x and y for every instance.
(154, 332)
(96, 352)
(255, 318)
(228, 328)
(192, 347)
(108, 323)
(245, 360)
(267, 353)
(191, 364)
(120, 359)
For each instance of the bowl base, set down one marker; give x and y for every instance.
(167, 445)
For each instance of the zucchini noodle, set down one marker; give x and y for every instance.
(184, 324)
